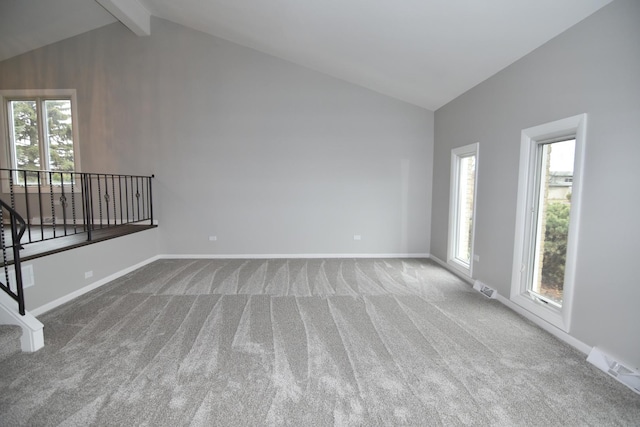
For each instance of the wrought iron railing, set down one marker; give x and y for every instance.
(37, 206)
(17, 226)
(59, 204)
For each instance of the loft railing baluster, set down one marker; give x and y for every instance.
(106, 198)
(12, 195)
(83, 199)
(73, 202)
(133, 206)
(141, 199)
(53, 208)
(113, 195)
(145, 184)
(39, 174)
(126, 197)
(85, 205)
(150, 201)
(151, 197)
(89, 204)
(138, 195)
(145, 205)
(83, 202)
(120, 197)
(26, 202)
(4, 248)
(99, 198)
(63, 203)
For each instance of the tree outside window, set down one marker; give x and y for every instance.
(41, 135)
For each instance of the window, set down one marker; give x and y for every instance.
(551, 160)
(462, 207)
(39, 132)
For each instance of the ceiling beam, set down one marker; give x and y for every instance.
(131, 13)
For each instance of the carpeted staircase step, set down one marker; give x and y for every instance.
(9, 340)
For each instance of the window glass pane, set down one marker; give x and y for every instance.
(466, 189)
(25, 133)
(41, 137)
(552, 231)
(60, 138)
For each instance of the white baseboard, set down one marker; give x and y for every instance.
(560, 334)
(467, 279)
(66, 298)
(289, 256)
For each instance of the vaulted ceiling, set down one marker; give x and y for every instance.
(425, 52)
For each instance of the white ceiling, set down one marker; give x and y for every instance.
(426, 52)
(29, 24)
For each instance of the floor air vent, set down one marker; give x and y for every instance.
(485, 290)
(621, 373)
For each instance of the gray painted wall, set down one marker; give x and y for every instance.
(56, 276)
(592, 68)
(283, 159)
(270, 157)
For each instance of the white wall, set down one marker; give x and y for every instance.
(592, 68)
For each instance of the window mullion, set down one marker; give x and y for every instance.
(532, 228)
(43, 129)
(11, 150)
(536, 217)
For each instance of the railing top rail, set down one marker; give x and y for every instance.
(77, 173)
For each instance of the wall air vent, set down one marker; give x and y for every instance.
(485, 290)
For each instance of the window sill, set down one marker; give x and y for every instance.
(545, 311)
(464, 269)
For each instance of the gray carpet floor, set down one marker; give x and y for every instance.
(301, 343)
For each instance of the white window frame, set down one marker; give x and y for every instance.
(7, 154)
(531, 138)
(457, 154)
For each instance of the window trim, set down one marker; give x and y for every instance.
(457, 154)
(530, 139)
(7, 150)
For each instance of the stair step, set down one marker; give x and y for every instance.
(9, 340)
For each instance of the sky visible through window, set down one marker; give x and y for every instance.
(563, 155)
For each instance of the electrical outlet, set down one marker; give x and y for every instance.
(476, 258)
(213, 238)
(357, 237)
(88, 274)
